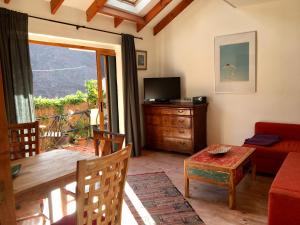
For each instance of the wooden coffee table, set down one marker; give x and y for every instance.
(224, 170)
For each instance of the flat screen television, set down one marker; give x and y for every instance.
(162, 89)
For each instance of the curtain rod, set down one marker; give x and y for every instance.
(79, 26)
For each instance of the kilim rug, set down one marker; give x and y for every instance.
(153, 200)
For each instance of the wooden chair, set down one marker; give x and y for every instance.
(105, 142)
(24, 142)
(100, 190)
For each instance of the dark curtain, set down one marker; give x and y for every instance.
(16, 66)
(113, 93)
(131, 96)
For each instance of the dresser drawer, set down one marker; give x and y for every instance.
(178, 127)
(177, 132)
(152, 120)
(153, 131)
(177, 121)
(168, 111)
(176, 111)
(177, 144)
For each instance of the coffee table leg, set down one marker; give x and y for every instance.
(232, 199)
(186, 187)
(186, 181)
(232, 191)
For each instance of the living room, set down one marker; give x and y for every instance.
(186, 48)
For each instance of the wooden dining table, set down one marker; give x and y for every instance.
(41, 174)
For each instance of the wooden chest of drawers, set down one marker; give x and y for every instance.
(177, 127)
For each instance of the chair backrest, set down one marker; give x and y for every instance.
(23, 140)
(105, 142)
(100, 188)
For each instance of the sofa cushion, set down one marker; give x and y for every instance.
(269, 159)
(284, 195)
(288, 177)
(285, 131)
(263, 139)
(278, 150)
(70, 220)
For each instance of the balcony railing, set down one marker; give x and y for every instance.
(59, 130)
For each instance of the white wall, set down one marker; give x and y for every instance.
(186, 48)
(67, 34)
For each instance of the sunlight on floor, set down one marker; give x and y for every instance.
(127, 216)
(141, 210)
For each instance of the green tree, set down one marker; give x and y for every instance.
(91, 87)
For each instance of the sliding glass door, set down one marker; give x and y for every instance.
(75, 88)
(109, 101)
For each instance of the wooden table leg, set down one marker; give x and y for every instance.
(64, 201)
(186, 187)
(232, 197)
(186, 183)
(232, 191)
(50, 205)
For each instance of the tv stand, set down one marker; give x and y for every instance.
(179, 127)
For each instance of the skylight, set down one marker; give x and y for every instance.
(139, 7)
(131, 2)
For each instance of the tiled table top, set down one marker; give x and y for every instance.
(232, 159)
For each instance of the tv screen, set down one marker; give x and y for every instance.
(162, 88)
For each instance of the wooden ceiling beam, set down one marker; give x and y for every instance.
(117, 21)
(54, 5)
(172, 15)
(153, 13)
(229, 3)
(94, 8)
(122, 15)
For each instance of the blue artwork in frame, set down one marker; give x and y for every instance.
(235, 63)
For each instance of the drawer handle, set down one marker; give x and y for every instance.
(182, 143)
(181, 131)
(181, 121)
(180, 111)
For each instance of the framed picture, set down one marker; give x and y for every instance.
(141, 60)
(235, 63)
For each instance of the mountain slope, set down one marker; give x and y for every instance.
(59, 71)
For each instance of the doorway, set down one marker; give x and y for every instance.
(75, 88)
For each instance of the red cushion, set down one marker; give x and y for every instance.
(288, 177)
(285, 131)
(269, 159)
(67, 220)
(284, 195)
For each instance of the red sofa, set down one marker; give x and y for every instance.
(269, 159)
(284, 195)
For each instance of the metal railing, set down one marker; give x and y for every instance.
(56, 130)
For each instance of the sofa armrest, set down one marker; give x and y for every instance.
(284, 207)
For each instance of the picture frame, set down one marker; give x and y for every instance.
(235, 63)
(141, 59)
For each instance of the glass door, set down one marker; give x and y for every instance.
(71, 90)
(107, 88)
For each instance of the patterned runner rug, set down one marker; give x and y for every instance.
(153, 200)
